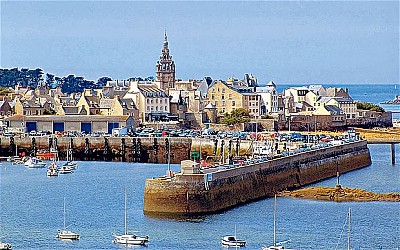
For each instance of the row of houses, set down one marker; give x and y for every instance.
(168, 101)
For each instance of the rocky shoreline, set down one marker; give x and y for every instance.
(340, 194)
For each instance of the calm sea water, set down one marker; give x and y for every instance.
(373, 93)
(32, 211)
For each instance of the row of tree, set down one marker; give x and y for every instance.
(69, 84)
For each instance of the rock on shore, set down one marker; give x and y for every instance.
(340, 194)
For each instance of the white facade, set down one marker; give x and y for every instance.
(269, 98)
(149, 99)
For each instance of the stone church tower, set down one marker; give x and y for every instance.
(165, 68)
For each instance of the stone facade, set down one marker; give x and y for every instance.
(165, 68)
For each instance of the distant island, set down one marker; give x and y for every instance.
(394, 101)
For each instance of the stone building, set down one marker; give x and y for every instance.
(226, 99)
(152, 102)
(269, 98)
(57, 123)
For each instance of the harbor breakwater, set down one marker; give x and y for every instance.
(202, 192)
(138, 149)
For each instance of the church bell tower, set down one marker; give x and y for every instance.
(165, 68)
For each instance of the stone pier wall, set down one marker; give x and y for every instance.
(193, 194)
(139, 149)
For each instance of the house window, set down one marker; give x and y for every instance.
(148, 101)
(230, 96)
(233, 103)
(223, 90)
(151, 108)
(156, 108)
(165, 108)
(223, 110)
(160, 101)
(212, 97)
(223, 97)
(148, 108)
(157, 101)
(223, 103)
(151, 101)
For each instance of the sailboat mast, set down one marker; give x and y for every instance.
(64, 215)
(125, 218)
(275, 221)
(348, 231)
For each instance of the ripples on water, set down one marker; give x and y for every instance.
(32, 211)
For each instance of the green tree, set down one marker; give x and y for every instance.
(102, 81)
(369, 106)
(236, 116)
(267, 117)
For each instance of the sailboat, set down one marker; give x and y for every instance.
(5, 246)
(127, 238)
(276, 245)
(70, 163)
(65, 234)
(232, 241)
(348, 231)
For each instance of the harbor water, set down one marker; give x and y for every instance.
(32, 211)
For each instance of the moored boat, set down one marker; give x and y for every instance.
(231, 241)
(128, 238)
(52, 169)
(71, 164)
(276, 245)
(5, 246)
(65, 170)
(34, 162)
(65, 234)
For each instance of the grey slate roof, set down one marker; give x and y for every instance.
(334, 110)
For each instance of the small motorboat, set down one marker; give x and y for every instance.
(231, 241)
(71, 164)
(65, 170)
(34, 162)
(52, 170)
(5, 246)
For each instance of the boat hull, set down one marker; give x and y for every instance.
(238, 243)
(131, 240)
(67, 236)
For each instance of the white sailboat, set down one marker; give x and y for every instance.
(70, 163)
(348, 220)
(34, 162)
(276, 245)
(232, 241)
(5, 246)
(128, 238)
(65, 234)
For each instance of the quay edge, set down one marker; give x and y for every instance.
(195, 193)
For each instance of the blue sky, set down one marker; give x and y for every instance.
(288, 42)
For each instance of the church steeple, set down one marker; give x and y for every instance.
(165, 67)
(165, 39)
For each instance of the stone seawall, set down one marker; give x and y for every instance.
(139, 149)
(208, 193)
